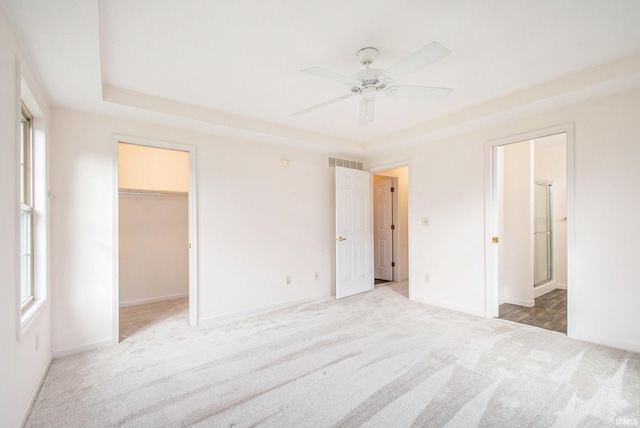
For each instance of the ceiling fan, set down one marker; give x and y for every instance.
(370, 81)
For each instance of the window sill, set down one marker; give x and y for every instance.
(28, 317)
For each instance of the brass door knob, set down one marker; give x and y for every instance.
(341, 239)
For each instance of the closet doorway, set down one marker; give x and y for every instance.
(155, 224)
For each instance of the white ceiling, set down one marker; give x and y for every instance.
(235, 64)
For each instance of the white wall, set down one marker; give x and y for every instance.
(448, 186)
(516, 268)
(21, 365)
(257, 222)
(154, 255)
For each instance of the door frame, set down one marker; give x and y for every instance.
(395, 247)
(193, 225)
(378, 168)
(492, 217)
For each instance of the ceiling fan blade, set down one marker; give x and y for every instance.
(418, 92)
(367, 110)
(414, 62)
(326, 103)
(332, 75)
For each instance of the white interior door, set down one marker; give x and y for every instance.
(354, 237)
(383, 229)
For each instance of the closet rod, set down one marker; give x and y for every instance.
(150, 193)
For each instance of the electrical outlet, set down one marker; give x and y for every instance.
(426, 278)
(316, 276)
(288, 279)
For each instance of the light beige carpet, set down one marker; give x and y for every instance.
(375, 360)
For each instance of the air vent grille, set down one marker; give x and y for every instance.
(345, 163)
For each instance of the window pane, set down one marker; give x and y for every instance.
(25, 158)
(26, 259)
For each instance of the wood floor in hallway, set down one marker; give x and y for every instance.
(550, 312)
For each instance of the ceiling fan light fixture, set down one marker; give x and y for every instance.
(369, 81)
(369, 91)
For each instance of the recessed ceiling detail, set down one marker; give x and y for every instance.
(237, 63)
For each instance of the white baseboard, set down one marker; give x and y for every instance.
(84, 348)
(547, 288)
(606, 342)
(245, 314)
(544, 289)
(445, 305)
(153, 300)
(526, 303)
(36, 390)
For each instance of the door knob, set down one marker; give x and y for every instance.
(341, 239)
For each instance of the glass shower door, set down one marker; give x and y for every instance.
(542, 234)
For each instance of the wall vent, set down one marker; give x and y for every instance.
(345, 163)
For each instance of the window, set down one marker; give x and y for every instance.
(32, 251)
(26, 210)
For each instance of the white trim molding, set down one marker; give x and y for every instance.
(84, 348)
(36, 390)
(153, 300)
(209, 321)
(446, 305)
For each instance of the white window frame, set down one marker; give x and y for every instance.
(28, 309)
(26, 209)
